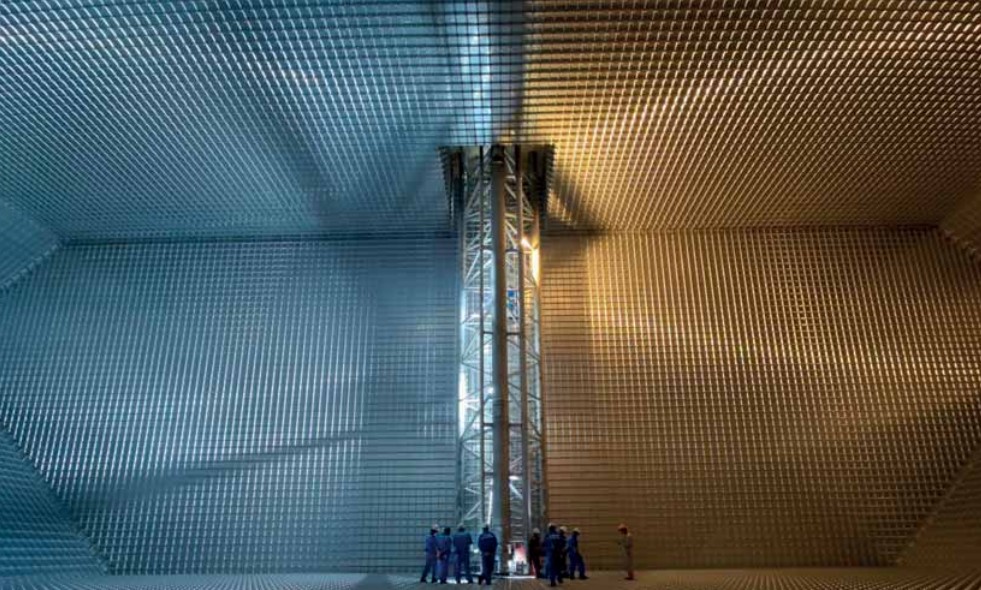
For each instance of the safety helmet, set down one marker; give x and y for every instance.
(535, 532)
(435, 527)
(575, 531)
(562, 529)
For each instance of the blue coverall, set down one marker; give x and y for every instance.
(462, 543)
(430, 558)
(444, 546)
(556, 551)
(487, 543)
(547, 546)
(576, 562)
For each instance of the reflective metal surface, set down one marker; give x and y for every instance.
(951, 537)
(784, 579)
(240, 407)
(37, 537)
(127, 118)
(758, 398)
(964, 225)
(24, 244)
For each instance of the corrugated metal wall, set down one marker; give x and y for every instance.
(951, 537)
(23, 244)
(36, 535)
(240, 407)
(758, 398)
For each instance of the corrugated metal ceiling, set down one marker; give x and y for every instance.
(134, 119)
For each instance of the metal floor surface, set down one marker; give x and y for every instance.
(775, 579)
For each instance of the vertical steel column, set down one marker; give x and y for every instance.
(485, 517)
(521, 240)
(502, 421)
(459, 199)
(542, 457)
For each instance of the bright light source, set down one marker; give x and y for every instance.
(525, 244)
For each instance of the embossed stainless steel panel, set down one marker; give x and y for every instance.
(37, 537)
(951, 536)
(758, 398)
(781, 579)
(241, 407)
(24, 244)
(128, 118)
(964, 225)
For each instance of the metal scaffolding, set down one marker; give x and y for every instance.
(499, 196)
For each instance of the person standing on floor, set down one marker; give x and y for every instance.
(555, 549)
(547, 548)
(487, 544)
(461, 544)
(535, 553)
(444, 546)
(430, 555)
(576, 562)
(626, 543)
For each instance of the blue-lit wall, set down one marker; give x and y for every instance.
(240, 407)
(36, 535)
(23, 244)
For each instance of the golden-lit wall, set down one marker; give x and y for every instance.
(758, 397)
(964, 225)
(951, 537)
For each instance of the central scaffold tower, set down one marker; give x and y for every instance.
(499, 194)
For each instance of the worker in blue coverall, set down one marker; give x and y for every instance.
(461, 544)
(547, 547)
(556, 555)
(444, 546)
(487, 544)
(576, 562)
(430, 555)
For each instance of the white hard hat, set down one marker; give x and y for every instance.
(535, 532)
(435, 527)
(562, 528)
(575, 530)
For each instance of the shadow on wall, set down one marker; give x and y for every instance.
(567, 212)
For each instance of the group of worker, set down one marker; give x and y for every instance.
(439, 547)
(561, 552)
(562, 555)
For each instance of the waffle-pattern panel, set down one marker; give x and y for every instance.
(964, 225)
(23, 244)
(758, 398)
(951, 537)
(127, 118)
(240, 407)
(784, 579)
(36, 535)
(124, 119)
(671, 114)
